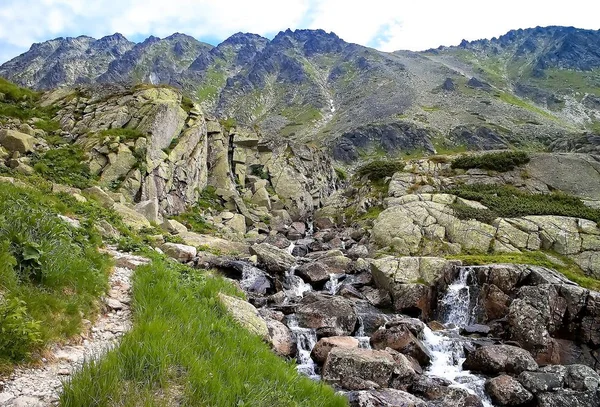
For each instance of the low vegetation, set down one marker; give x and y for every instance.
(122, 134)
(502, 161)
(20, 103)
(185, 349)
(509, 202)
(51, 273)
(377, 170)
(65, 165)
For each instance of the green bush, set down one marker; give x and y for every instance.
(501, 162)
(377, 170)
(509, 202)
(65, 165)
(123, 134)
(19, 333)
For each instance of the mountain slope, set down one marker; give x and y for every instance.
(520, 90)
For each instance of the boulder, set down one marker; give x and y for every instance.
(384, 398)
(542, 380)
(440, 393)
(314, 272)
(358, 251)
(330, 316)
(324, 345)
(214, 244)
(377, 297)
(568, 398)
(496, 359)
(581, 378)
(275, 260)
(281, 338)
(130, 217)
(507, 391)
(354, 368)
(173, 227)
(179, 252)
(402, 336)
(15, 141)
(245, 314)
(150, 210)
(99, 195)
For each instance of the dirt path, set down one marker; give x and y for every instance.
(37, 387)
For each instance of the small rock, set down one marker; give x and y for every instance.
(113, 304)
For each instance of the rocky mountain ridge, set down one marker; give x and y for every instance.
(311, 86)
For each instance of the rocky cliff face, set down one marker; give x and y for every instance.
(309, 85)
(147, 145)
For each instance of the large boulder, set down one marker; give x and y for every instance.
(330, 316)
(245, 314)
(275, 260)
(130, 217)
(507, 391)
(402, 336)
(496, 359)
(546, 379)
(179, 252)
(314, 272)
(356, 369)
(15, 141)
(569, 398)
(281, 338)
(324, 345)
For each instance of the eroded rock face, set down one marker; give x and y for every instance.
(500, 358)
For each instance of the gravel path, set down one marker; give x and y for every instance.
(41, 386)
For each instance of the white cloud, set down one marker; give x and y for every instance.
(385, 24)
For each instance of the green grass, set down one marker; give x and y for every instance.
(510, 202)
(14, 93)
(377, 170)
(562, 264)
(516, 101)
(501, 162)
(562, 80)
(65, 165)
(184, 349)
(50, 273)
(123, 134)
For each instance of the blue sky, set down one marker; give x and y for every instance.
(384, 24)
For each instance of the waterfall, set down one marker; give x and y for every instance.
(290, 248)
(447, 347)
(294, 286)
(364, 341)
(306, 339)
(333, 284)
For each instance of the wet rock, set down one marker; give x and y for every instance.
(384, 398)
(281, 338)
(330, 316)
(413, 299)
(507, 391)
(275, 260)
(377, 297)
(439, 393)
(278, 240)
(325, 345)
(541, 381)
(400, 337)
(345, 365)
(371, 318)
(500, 358)
(337, 264)
(313, 273)
(495, 302)
(568, 398)
(475, 330)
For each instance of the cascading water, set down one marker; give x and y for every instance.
(446, 346)
(306, 339)
(333, 284)
(294, 286)
(364, 341)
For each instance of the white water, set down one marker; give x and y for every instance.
(294, 286)
(306, 339)
(250, 276)
(446, 347)
(290, 248)
(364, 341)
(333, 284)
(331, 106)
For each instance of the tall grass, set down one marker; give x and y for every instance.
(185, 350)
(51, 274)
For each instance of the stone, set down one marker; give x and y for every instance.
(237, 223)
(581, 378)
(358, 252)
(495, 359)
(281, 338)
(357, 365)
(214, 244)
(150, 210)
(314, 272)
(541, 381)
(246, 315)
(400, 337)
(130, 217)
(325, 345)
(180, 252)
(113, 304)
(119, 165)
(568, 398)
(507, 391)
(338, 264)
(173, 227)
(275, 260)
(16, 141)
(99, 195)
(379, 298)
(330, 316)
(384, 398)
(261, 198)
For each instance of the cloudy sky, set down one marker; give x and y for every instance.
(384, 24)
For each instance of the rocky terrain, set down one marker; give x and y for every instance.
(309, 85)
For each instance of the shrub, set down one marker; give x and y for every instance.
(19, 333)
(341, 174)
(65, 165)
(467, 212)
(123, 134)
(377, 170)
(501, 162)
(228, 123)
(509, 202)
